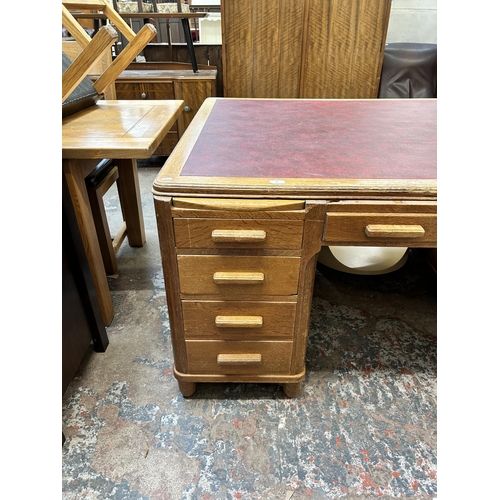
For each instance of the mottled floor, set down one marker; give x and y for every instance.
(363, 426)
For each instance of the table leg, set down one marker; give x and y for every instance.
(130, 200)
(75, 172)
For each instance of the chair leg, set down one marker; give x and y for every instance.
(96, 195)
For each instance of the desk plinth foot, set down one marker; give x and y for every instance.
(187, 382)
(291, 390)
(187, 388)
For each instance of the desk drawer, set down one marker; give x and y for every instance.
(379, 229)
(246, 233)
(239, 357)
(238, 320)
(231, 276)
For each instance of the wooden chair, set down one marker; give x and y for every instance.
(93, 48)
(75, 76)
(98, 182)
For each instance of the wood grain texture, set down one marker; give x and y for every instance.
(74, 28)
(172, 286)
(87, 58)
(275, 356)
(350, 229)
(130, 201)
(313, 230)
(236, 233)
(238, 205)
(118, 129)
(75, 173)
(126, 56)
(200, 319)
(345, 48)
(303, 48)
(157, 83)
(197, 274)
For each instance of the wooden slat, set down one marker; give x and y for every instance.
(238, 204)
(127, 55)
(74, 28)
(82, 65)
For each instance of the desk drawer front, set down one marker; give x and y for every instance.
(231, 276)
(238, 320)
(228, 357)
(375, 229)
(249, 233)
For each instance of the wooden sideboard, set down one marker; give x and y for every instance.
(157, 81)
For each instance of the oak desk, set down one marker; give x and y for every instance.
(247, 199)
(123, 131)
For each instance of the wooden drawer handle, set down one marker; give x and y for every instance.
(238, 321)
(394, 231)
(223, 278)
(238, 235)
(239, 359)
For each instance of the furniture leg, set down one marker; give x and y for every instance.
(96, 197)
(75, 172)
(130, 201)
(291, 390)
(189, 44)
(187, 388)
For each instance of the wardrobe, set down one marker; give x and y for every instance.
(303, 48)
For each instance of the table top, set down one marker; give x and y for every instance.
(307, 147)
(118, 129)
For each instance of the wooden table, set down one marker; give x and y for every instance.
(124, 131)
(244, 204)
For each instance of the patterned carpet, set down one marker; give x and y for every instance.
(363, 426)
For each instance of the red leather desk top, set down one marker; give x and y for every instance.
(306, 148)
(363, 139)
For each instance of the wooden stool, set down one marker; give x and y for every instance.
(98, 183)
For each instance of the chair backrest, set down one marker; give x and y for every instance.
(94, 48)
(409, 70)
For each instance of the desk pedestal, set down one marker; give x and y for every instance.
(239, 278)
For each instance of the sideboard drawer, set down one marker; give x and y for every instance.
(144, 90)
(238, 233)
(239, 357)
(230, 276)
(238, 319)
(378, 229)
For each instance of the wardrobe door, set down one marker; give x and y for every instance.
(262, 47)
(345, 48)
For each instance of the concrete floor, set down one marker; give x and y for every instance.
(363, 426)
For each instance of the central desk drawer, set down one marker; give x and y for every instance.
(379, 229)
(238, 320)
(242, 358)
(247, 233)
(238, 275)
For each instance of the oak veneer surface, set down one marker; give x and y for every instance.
(303, 48)
(118, 129)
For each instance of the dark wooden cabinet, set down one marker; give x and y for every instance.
(82, 323)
